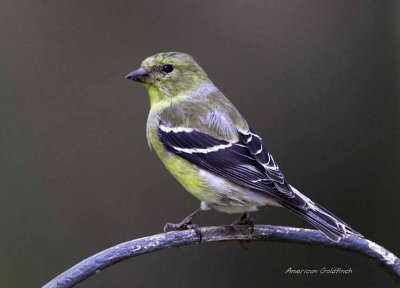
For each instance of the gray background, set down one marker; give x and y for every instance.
(317, 79)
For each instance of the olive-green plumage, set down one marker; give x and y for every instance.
(171, 99)
(208, 147)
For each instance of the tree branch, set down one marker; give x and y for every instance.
(120, 252)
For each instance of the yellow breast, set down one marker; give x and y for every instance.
(186, 173)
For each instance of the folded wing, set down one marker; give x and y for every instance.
(248, 163)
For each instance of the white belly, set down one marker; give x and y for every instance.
(232, 198)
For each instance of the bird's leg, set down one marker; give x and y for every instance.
(186, 223)
(244, 219)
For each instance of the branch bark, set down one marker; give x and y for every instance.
(120, 252)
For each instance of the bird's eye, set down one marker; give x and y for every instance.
(167, 68)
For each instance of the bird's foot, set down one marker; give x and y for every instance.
(244, 220)
(185, 224)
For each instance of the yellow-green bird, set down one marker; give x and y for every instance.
(209, 148)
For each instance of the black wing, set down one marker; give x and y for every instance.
(248, 163)
(245, 162)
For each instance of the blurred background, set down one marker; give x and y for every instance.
(318, 80)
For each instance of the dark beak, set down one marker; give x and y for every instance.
(138, 75)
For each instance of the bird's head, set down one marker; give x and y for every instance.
(167, 75)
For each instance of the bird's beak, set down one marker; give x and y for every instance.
(139, 75)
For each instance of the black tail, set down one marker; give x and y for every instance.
(334, 227)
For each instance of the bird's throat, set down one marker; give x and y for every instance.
(155, 95)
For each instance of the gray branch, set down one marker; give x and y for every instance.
(120, 252)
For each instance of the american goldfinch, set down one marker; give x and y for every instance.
(209, 148)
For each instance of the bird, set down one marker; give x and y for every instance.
(208, 146)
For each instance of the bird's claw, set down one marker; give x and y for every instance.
(185, 224)
(179, 226)
(244, 220)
